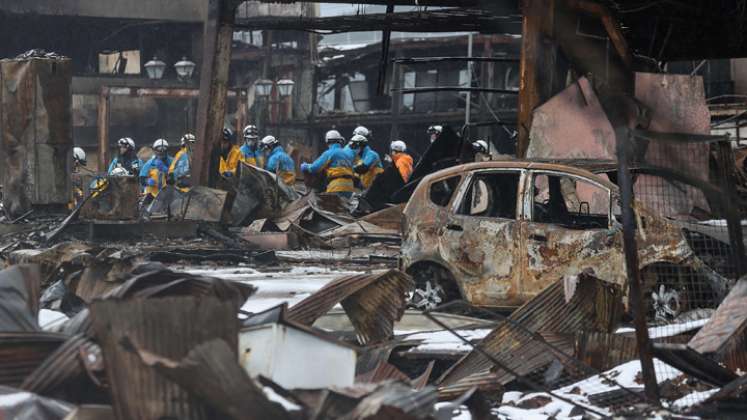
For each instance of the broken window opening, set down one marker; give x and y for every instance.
(492, 195)
(570, 202)
(442, 191)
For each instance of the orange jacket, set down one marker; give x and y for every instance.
(403, 163)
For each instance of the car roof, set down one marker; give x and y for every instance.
(592, 169)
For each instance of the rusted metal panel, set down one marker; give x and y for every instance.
(388, 218)
(259, 195)
(35, 132)
(210, 370)
(23, 352)
(573, 125)
(676, 104)
(595, 306)
(725, 335)
(119, 201)
(170, 327)
(602, 350)
(201, 204)
(66, 367)
(372, 301)
(20, 291)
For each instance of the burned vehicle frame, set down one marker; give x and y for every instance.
(497, 233)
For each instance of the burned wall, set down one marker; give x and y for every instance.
(35, 132)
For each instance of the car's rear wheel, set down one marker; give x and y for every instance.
(671, 290)
(434, 286)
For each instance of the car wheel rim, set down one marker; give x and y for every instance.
(428, 296)
(666, 303)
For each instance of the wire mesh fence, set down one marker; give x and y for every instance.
(684, 191)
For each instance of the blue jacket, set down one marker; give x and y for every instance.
(157, 170)
(370, 158)
(252, 156)
(279, 163)
(337, 164)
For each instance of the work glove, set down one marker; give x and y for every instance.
(227, 174)
(360, 168)
(151, 182)
(305, 167)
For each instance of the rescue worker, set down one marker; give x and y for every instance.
(229, 155)
(180, 170)
(434, 132)
(362, 131)
(367, 163)
(79, 172)
(278, 162)
(336, 164)
(250, 150)
(480, 147)
(126, 158)
(155, 171)
(401, 160)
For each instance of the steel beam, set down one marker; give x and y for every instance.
(211, 110)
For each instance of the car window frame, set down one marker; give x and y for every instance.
(453, 196)
(528, 206)
(458, 198)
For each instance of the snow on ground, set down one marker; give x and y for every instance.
(275, 287)
(693, 399)
(457, 413)
(626, 375)
(668, 330)
(275, 397)
(51, 320)
(440, 341)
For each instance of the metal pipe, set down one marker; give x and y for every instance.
(454, 89)
(468, 97)
(428, 60)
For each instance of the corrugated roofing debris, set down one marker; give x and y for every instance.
(603, 351)
(21, 353)
(169, 326)
(211, 371)
(595, 305)
(67, 371)
(372, 301)
(693, 363)
(724, 337)
(19, 306)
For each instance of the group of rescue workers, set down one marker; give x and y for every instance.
(346, 166)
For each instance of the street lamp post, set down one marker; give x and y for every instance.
(262, 90)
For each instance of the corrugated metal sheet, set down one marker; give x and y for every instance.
(170, 327)
(727, 324)
(603, 351)
(485, 382)
(372, 301)
(21, 353)
(595, 306)
(63, 365)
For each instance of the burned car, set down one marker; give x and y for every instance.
(497, 233)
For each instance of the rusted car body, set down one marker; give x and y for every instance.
(497, 233)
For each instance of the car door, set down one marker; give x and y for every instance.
(568, 228)
(480, 238)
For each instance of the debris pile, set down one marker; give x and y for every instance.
(150, 342)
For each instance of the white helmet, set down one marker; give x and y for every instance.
(435, 129)
(334, 136)
(358, 140)
(160, 145)
(480, 146)
(119, 171)
(398, 146)
(361, 131)
(251, 132)
(127, 142)
(269, 142)
(188, 138)
(79, 155)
